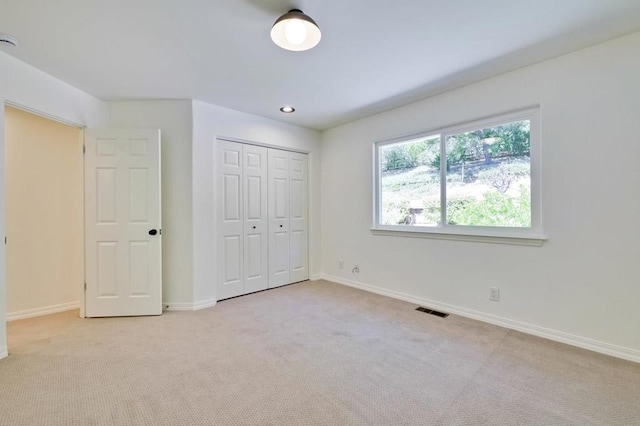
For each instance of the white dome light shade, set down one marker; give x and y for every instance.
(295, 31)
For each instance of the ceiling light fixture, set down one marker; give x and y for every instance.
(287, 109)
(295, 31)
(8, 39)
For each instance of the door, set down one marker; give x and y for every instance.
(123, 242)
(256, 262)
(278, 218)
(299, 223)
(230, 218)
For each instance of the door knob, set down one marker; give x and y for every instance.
(153, 232)
(254, 227)
(280, 226)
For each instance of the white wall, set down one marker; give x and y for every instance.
(174, 119)
(29, 87)
(44, 214)
(582, 282)
(582, 285)
(189, 129)
(209, 122)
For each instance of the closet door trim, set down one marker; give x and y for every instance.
(264, 145)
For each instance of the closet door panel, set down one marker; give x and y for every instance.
(256, 248)
(262, 218)
(299, 222)
(230, 219)
(279, 225)
(232, 256)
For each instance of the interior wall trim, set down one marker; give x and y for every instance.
(196, 306)
(621, 352)
(43, 114)
(45, 310)
(262, 144)
(3, 352)
(204, 304)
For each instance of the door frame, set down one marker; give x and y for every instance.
(262, 144)
(81, 127)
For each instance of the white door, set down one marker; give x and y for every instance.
(123, 240)
(230, 219)
(299, 238)
(256, 261)
(278, 218)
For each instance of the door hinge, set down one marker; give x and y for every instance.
(5, 240)
(85, 286)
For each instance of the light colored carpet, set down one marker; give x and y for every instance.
(308, 354)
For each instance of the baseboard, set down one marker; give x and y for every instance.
(203, 304)
(558, 336)
(171, 306)
(3, 352)
(29, 313)
(315, 277)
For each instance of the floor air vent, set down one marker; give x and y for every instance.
(432, 312)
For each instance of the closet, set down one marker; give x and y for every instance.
(262, 218)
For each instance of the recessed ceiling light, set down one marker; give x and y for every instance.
(295, 31)
(287, 109)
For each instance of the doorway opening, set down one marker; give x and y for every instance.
(44, 215)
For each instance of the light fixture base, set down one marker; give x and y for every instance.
(8, 39)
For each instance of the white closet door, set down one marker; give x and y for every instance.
(299, 228)
(278, 218)
(256, 254)
(230, 219)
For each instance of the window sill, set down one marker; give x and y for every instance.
(531, 241)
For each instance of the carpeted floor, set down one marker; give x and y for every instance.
(315, 353)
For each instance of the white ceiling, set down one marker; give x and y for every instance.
(374, 54)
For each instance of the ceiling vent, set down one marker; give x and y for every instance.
(8, 39)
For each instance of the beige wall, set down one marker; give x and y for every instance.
(44, 212)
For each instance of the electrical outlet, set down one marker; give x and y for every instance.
(494, 294)
(356, 269)
(340, 264)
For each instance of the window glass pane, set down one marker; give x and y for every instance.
(410, 182)
(489, 176)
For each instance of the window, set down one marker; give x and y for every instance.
(479, 179)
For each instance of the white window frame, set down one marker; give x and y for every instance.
(491, 234)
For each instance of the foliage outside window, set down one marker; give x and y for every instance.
(476, 176)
